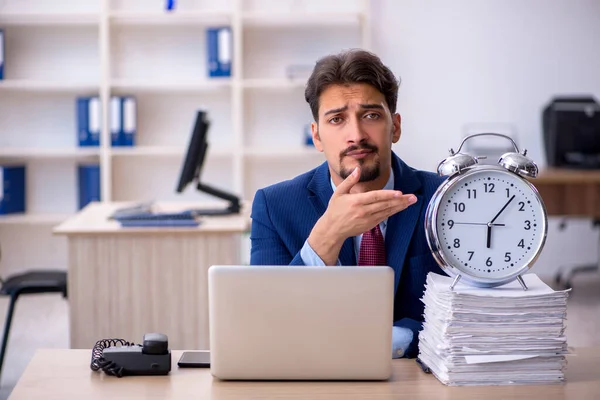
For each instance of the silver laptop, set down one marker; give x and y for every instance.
(301, 323)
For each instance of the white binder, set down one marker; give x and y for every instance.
(1, 54)
(116, 120)
(129, 120)
(94, 120)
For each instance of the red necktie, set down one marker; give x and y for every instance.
(372, 248)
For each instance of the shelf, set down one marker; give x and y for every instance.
(59, 153)
(33, 219)
(60, 50)
(274, 84)
(163, 151)
(175, 18)
(192, 86)
(293, 20)
(282, 152)
(50, 19)
(26, 85)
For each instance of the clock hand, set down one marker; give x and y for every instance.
(489, 235)
(503, 208)
(478, 223)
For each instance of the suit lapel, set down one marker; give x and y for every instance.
(320, 189)
(401, 226)
(321, 192)
(347, 255)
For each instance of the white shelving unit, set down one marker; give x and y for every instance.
(25, 153)
(156, 18)
(57, 50)
(30, 19)
(33, 219)
(40, 86)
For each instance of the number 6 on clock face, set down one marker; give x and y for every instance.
(489, 224)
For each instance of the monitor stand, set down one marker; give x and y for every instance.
(232, 208)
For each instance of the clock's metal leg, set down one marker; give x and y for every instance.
(522, 282)
(455, 282)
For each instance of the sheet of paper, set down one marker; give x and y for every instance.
(496, 358)
(535, 287)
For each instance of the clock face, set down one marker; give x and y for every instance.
(490, 224)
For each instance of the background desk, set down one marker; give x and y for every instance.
(66, 374)
(124, 282)
(570, 192)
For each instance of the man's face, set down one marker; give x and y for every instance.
(355, 128)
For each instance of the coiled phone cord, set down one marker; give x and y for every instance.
(98, 360)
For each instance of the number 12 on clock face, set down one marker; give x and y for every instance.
(490, 223)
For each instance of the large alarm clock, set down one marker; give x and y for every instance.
(486, 224)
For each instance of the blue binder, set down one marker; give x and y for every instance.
(81, 112)
(129, 121)
(88, 178)
(88, 121)
(170, 5)
(1, 54)
(12, 189)
(219, 45)
(308, 139)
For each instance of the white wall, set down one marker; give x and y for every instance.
(493, 62)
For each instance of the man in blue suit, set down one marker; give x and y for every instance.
(364, 205)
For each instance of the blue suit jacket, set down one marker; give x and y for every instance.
(284, 214)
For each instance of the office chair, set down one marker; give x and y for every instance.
(29, 282)
(564, 277)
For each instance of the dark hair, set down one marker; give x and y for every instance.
(352, 66)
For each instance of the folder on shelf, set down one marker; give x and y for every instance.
(129, 124)
(82, 114)
(220, 49)
(308, 139)
(116, 121)
(169, 5)
(1, 54)
(88, 121)
(88, 178)
(12, 189)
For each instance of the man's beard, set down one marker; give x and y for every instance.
(368, 172)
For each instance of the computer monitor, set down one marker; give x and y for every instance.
(191, 170)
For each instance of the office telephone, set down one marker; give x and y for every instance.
(118, 357)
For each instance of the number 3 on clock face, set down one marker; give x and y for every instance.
(490, 224)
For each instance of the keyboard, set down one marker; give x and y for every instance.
(143, 215)
(157, 222)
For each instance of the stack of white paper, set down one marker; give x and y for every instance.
(494, 336)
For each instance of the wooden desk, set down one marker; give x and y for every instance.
(570, 192)
(124, 282)
(66, 374)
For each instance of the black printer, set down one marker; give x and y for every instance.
(571, 128)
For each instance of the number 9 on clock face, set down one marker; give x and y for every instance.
(489, 224)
